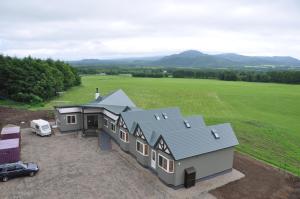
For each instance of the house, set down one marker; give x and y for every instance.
(162, 140)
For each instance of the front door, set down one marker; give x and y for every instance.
(153, 159)
(92, 121)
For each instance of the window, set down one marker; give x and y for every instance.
(123, 136)
(187, 124)
(165, 115)
(105, 122)
(142, 148)
(71, 119)
(45, 127)
(146, 149)
(215, 134)
(165, 164)
(157, 117)
(171, 166)
(113, 127)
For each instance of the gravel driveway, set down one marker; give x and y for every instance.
(75, 167)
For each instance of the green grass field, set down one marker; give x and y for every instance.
(265, 117)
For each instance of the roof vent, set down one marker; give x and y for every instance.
(215, 134)
(157, 117)
(187, 124)
(165, 115)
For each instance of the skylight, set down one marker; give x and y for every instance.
(215, 134)
(187, 124)
(165, 115)
(157, 117)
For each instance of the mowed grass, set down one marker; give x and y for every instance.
(265, 117)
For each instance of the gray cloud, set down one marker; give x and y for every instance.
(103, 29)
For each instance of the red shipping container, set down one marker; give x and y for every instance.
(9, 151)
(10, 133)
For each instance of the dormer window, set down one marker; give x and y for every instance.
(187, 124)
(164, 115)
(215, 134)
(157, 117)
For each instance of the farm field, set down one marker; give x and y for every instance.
(265, 117)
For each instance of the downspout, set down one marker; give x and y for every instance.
(83, 129)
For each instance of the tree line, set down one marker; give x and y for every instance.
(276, 76)
(34, 80)
(281, 75)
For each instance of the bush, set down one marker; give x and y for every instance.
(25, 97)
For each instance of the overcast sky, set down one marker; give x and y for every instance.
(77, 29)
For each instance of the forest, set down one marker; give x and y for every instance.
(229, 74)
(275, 76)
(34, 80)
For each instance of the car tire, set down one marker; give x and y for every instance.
(31, 174)
(5, 179)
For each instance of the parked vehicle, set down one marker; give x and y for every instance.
(40, 127)
(17, 169)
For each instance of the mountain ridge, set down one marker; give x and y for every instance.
(196, 59)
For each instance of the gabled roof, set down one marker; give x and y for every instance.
(191, 142)
(115, 102)
(182, 141)
(196, 121)
(117, 98)
(133, 117)
(153, 129)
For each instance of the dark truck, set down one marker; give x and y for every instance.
(17, 169)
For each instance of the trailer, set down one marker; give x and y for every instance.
(40, 127)
(9, 150)
(10, 133)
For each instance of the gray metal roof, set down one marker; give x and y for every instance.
(148, 115)
(117, 98)
(153, 129)
(183, 142)
(115, 102)
(191, 142)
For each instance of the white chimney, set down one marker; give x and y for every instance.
(97, 94)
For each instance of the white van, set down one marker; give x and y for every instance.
(40, 127)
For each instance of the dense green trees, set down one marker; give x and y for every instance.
(34, 80)
(278, 76)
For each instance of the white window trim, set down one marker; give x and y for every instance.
(124, 133)
(168, 164)
(143, 146)
(71, 116)
(106, 122)
(114, 123)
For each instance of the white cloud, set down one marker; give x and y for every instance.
(116, 28)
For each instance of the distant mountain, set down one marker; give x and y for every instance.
(194, 58)
(260, 60)
(131, 61)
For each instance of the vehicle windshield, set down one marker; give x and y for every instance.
(23, 165)
(45, 127)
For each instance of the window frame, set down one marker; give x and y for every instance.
(113, 124)
(168, 163)
(105, 119)
(122, 132)
(75, 119)
(143, 146)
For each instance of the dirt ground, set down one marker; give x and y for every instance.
(16, 116)
(74, 167)
(261, 181)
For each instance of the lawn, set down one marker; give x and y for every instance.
(265, 117)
